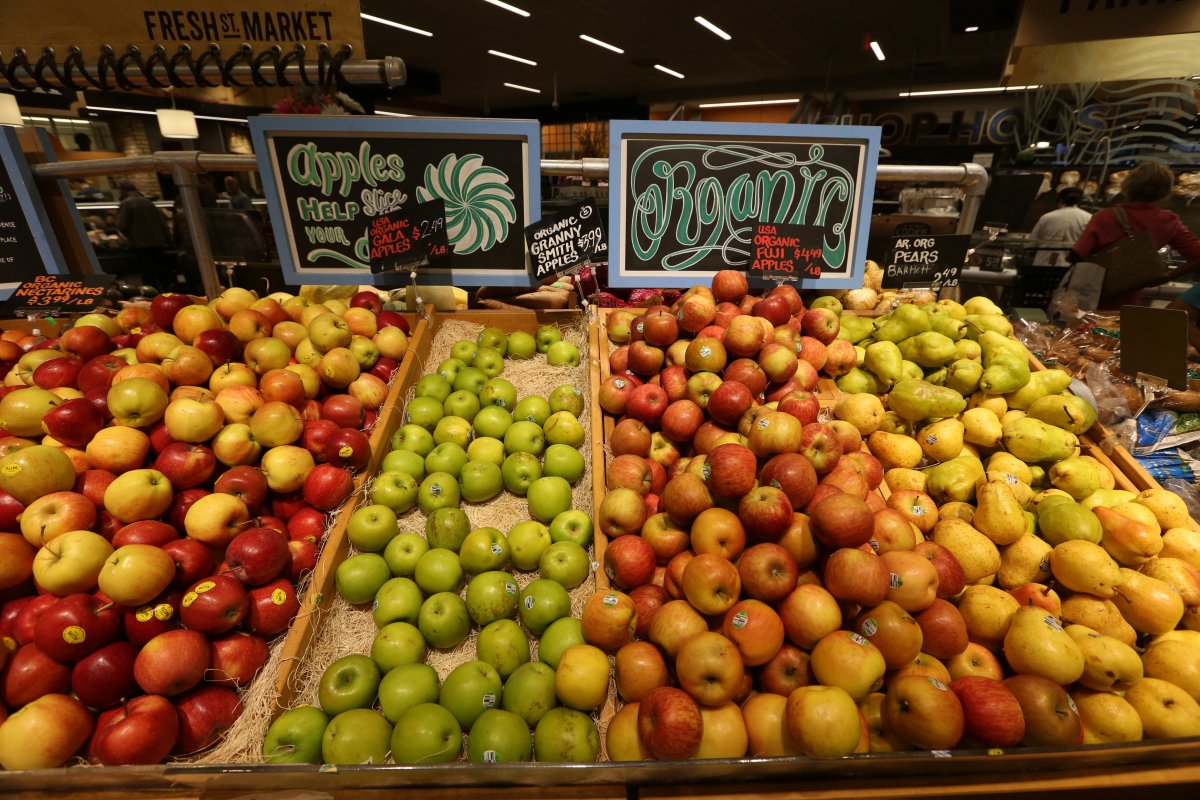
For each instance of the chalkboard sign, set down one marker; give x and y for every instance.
(327, 178)
(574, 235)
(925, 261)
(687, 195)
(408, 239)
(786, 252)
(28, 246)
(54, 294)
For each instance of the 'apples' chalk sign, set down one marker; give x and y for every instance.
(686, 197)
(786, 252)
(414, 237)
(327, 178)
(926, 261)
(575, 235)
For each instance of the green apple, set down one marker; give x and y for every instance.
(434, 386)
(527, 541)
(447, 457)
(532, 409)
(444, 621)
(488, 361)
(492, 596)
(350, 682)
(295, 737)
(452, 429)
(450, 368)
(486, 448)
(572, 526)
(499, 737)
(542, 602)
(529, 691)
(562, 353)
(461, 404)
(371, 527)
(426, 734)
(464, 350)
(521, 345)
(395, 644)
(480, 481)
(360, 736)
(423, 411)
(448, 528)
(548, 497)
(566, 563)
(563, 461)
(396, 490)
(498, 392)
(438, 490)
(439, 571)
(470, 689)
(503, 645)
(562, 633)
(494, 338)
(492, 421)
(406, 461)
(398, 600)
(547, 335)
(524, 437)
(566, 398)
(520, 470)
(470, 379)
(562, 428)
(414, 438)
(405, 550)
(566, 735)
(406, 686)
(360, 577)
(484, 550)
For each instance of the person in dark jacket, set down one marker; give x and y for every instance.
(144, 227)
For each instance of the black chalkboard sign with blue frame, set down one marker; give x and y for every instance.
(28, 245)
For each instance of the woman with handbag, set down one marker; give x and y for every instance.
(1125, 238)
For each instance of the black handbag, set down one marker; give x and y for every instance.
(1132, 262)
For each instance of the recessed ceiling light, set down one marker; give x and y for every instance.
(598, 43)
(523, 88)
(971, 28)
(669, 71)
(786, 101)
(983, 90)
(520, 11)
(713, 28)
(512, 57)
(877, 50)
(397, 25)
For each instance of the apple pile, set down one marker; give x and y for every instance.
(166, 477)
(769, 600)
(466, 437)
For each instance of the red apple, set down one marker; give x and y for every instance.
(647, 599)
(821, 446)
(680, 420)
(272, 607)
(644, 359)
(345, 410)
(307, 523)
(646, 403)
(768, 572)
(75, 626)
(731, 470)
(631, 472)
(146, 531)
(992, 715)
(684, 497)
(30, 674)
(246, 483)
(215, 604)
(787, 671)
(794, 475)
(614, 393)
(748, 373)
(303, 555)
(774, 309)
(186, 465)
(73, 422)
(388, 319)
(659, 328)
(384, 369)
(821, 324)
(348, 448)
(160, 615)
(367, 299)
(172, 662)
(855, 576)
(669, 724)
(164, 307)
(204, 714)
(257, 556)
(327, 486)
(105, 678)
(951, 577)
(766, 512)
(630, 436)
(802, 405)
(220, 345)
(57, 373)
(842, 520)
(192, 561)
(944, 632)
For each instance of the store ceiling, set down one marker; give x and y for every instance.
(789, 46)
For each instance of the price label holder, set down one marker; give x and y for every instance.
(926, 262)
(51, 295)
(781, 253)
(1154, 348)
(409, 239)
(561, 244)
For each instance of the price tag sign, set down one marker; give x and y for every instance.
(925, 261)
(782, 252)
(571, 237)
(57, 294)
(409, 238)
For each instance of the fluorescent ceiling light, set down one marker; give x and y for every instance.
(971, 28)
(512, 58)
(153, 113)
(669, 71)
(875, 48)
(392, 113)
(598, 43)
(520, 11)
(752, 103)
(523, 88)
(705, 23)
(983, 90)
(1042, 145)
(390, 24)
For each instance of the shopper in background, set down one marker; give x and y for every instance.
(1064, 224)
(144, 227)
(237, 198)
(204, 187)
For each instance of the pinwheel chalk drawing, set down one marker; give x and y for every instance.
(479, 201)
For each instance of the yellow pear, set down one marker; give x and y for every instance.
(1026, 560)
(1037, 499)
(1175, 661)
(1148, 604)
(1076, 477)
(862, 410)
(957, 510)
(981, 426)
(1008, 464)
(977, 553)
(1181, 543)
(1190, 638)
(1036, 644)
(1108, 665)
(1179, 575)
(1012, 415)
(1107, 480)
(998, 515)
(895, 450)
(987, 612)
(942, 440)
(1107, 498)
(1141, 513)
(1106, 717)
(992, 402)
(894, 423)
(1100, 614)
(955, 479)
(1082, 566)
(1168, 507)
(1166, 710)
(1023, 492)
(898, 478)
(1129, 541)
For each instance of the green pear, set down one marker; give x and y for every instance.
(953, 329)
(1166, 710)
(982, 305)
(1100, 614)
(1076, 477)
(1083, 566)
(1107, 479)
(859, 380)
(912, 371)
(1066, 520)
(883, 360)
(894, 423)
(1036, 644)
(963, 376)
(905, 321)
(953, 308)
(1107, 498)
(929, 349)
(955, 479)
(1041, 384)
(855, 328)
(979, 324)
(1066, 411)
(1031, 440)
(1005, 364)
(942, 440)
(1148, 604)
(998, 515)
(917, 400)
(1027, 560)
(1108, 665)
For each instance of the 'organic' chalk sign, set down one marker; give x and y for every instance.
(926, 261)
(574, 235)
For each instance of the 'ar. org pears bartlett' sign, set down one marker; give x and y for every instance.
(328, 178)
(687, 196)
